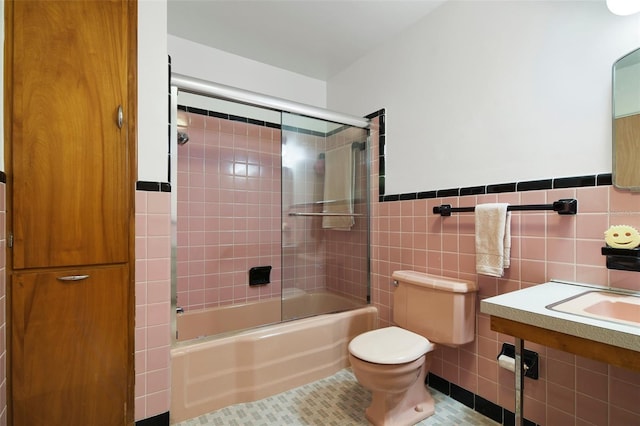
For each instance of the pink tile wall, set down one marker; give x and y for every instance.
(3, 303)
(572, 390)
(229, 202)
(153, 304)
(346, 266)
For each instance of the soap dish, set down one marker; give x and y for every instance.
(622, 259)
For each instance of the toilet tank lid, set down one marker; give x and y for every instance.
(437, 282)
(389, 345)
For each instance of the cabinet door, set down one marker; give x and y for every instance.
(69, 172)
(69, 347)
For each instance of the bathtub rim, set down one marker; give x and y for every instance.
(181, 344)
(175, 342)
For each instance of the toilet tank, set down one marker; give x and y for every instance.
(439, 308)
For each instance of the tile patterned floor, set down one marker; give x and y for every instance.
(337, 400)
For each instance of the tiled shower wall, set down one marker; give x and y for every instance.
(229, 214)
(316, 258)
(228, 211)
(571, 390)
(303, 249)
(347, 263)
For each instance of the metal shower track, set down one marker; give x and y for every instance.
(221, 91)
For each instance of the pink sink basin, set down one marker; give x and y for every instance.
(604, 305)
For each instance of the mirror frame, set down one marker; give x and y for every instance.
(629, 125)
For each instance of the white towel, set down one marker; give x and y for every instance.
(493, 239)
(338, 188)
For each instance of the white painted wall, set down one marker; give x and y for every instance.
(197, 60)
(483, 92)
(153, 91)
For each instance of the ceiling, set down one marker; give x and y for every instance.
(310, 37)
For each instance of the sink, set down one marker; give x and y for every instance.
(594, 322)
(604, 305)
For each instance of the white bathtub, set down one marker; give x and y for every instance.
(212, 373)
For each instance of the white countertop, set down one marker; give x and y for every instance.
(529, 306)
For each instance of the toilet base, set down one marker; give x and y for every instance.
(399, 396)
(406, 408)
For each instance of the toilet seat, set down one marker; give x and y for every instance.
(389, 345)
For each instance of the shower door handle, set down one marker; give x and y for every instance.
(120, 118)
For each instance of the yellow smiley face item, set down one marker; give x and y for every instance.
(622, 236)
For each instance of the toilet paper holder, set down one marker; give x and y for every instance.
(529, 359)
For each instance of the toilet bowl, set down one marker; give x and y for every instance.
(393, 362)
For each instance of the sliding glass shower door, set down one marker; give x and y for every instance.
(325, 217)
(270, 216)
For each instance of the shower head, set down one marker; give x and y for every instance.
(183, 138)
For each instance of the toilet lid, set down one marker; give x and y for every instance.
(389, 345)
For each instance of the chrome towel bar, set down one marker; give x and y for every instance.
(324, 214)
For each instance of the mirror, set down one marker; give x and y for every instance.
(626, 121)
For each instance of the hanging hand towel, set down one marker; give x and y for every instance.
(493, 239)
(338, 188)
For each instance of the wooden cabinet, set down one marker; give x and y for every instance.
(69, 163)
(70, 101)
(68, 340)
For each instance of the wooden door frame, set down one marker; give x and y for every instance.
(132, 138)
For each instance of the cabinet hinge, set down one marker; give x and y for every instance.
(10, 240)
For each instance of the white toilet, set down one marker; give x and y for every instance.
(393, 362)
